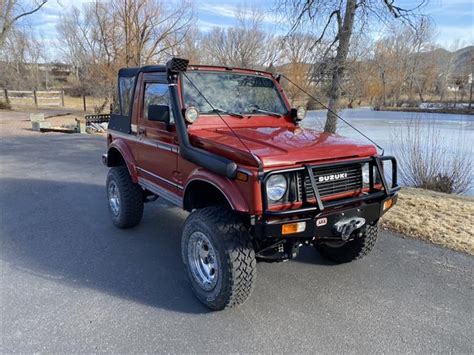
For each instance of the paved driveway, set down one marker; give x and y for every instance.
(71, 282)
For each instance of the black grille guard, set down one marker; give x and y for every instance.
(373, 193)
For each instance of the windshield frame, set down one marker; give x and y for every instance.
(244, 72)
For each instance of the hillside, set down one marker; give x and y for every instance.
(461, 60)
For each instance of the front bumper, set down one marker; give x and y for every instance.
(321, 216)
(321, 225)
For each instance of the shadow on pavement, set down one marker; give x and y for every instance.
(310, 255)
(62, 231)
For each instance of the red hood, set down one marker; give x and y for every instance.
(278, 146)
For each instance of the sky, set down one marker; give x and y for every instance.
(454, 19)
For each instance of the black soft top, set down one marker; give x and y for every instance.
(131, 72)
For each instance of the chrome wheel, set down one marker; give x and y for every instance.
(202, 261)
(114, 198)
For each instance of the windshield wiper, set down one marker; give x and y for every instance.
(220, 110)
(270, 113)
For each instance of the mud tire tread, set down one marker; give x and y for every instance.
(237, 262)
(131, 198)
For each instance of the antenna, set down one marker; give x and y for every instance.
(220, 116)
(334, 113)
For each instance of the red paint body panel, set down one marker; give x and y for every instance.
(280, 146)
(124, 148)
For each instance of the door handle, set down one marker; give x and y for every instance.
(141, 130)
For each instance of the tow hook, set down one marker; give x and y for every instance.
(345, 227)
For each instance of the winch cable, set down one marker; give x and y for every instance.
(334, 113)
(260, 166)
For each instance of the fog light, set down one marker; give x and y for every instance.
(387, 204)
(291, 228)
(191, 114)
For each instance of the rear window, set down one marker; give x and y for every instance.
(126, 86)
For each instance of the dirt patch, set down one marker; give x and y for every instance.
(439, 218)
(18, 123)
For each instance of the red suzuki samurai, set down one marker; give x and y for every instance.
(224, 144)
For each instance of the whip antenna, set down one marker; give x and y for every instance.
(334, 113)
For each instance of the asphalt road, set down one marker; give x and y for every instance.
(71, 282)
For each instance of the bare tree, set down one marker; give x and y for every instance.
(148, 26)
(301, 63)
(339, 19)
(21, 54)
(420, 66)
(11, 11)
(245, 45)
(190, 47)
(361, 73)
(20, 51)
(102, 37)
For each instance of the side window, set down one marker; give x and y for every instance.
(126, 92)
(156, 94)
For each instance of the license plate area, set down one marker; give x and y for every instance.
(325, 224)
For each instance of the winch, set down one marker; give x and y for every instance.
(345, 227)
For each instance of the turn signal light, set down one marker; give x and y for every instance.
(387, 204)
(291, 228)
(241, 176)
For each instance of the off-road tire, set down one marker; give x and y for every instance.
(237, 267)
(130, 196)
(351, 250)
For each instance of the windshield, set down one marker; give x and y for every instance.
(232, 93)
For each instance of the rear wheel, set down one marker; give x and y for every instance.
(125, 198)
(362, 244)
(219, 257)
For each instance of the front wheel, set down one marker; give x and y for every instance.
(362, 244)
(219, 257)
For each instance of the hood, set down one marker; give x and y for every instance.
(279, 146)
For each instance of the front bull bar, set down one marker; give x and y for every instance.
(373, 193)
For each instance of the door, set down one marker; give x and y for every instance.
(157, 157)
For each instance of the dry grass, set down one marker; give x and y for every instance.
(76, 102)
(442, 219)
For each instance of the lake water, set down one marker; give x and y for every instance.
(456, 131)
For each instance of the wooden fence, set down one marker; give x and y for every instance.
(36, 97)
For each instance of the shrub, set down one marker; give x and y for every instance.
(5, 105)
(431, 161)
(313, 105)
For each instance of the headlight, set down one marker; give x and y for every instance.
(276, 187)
